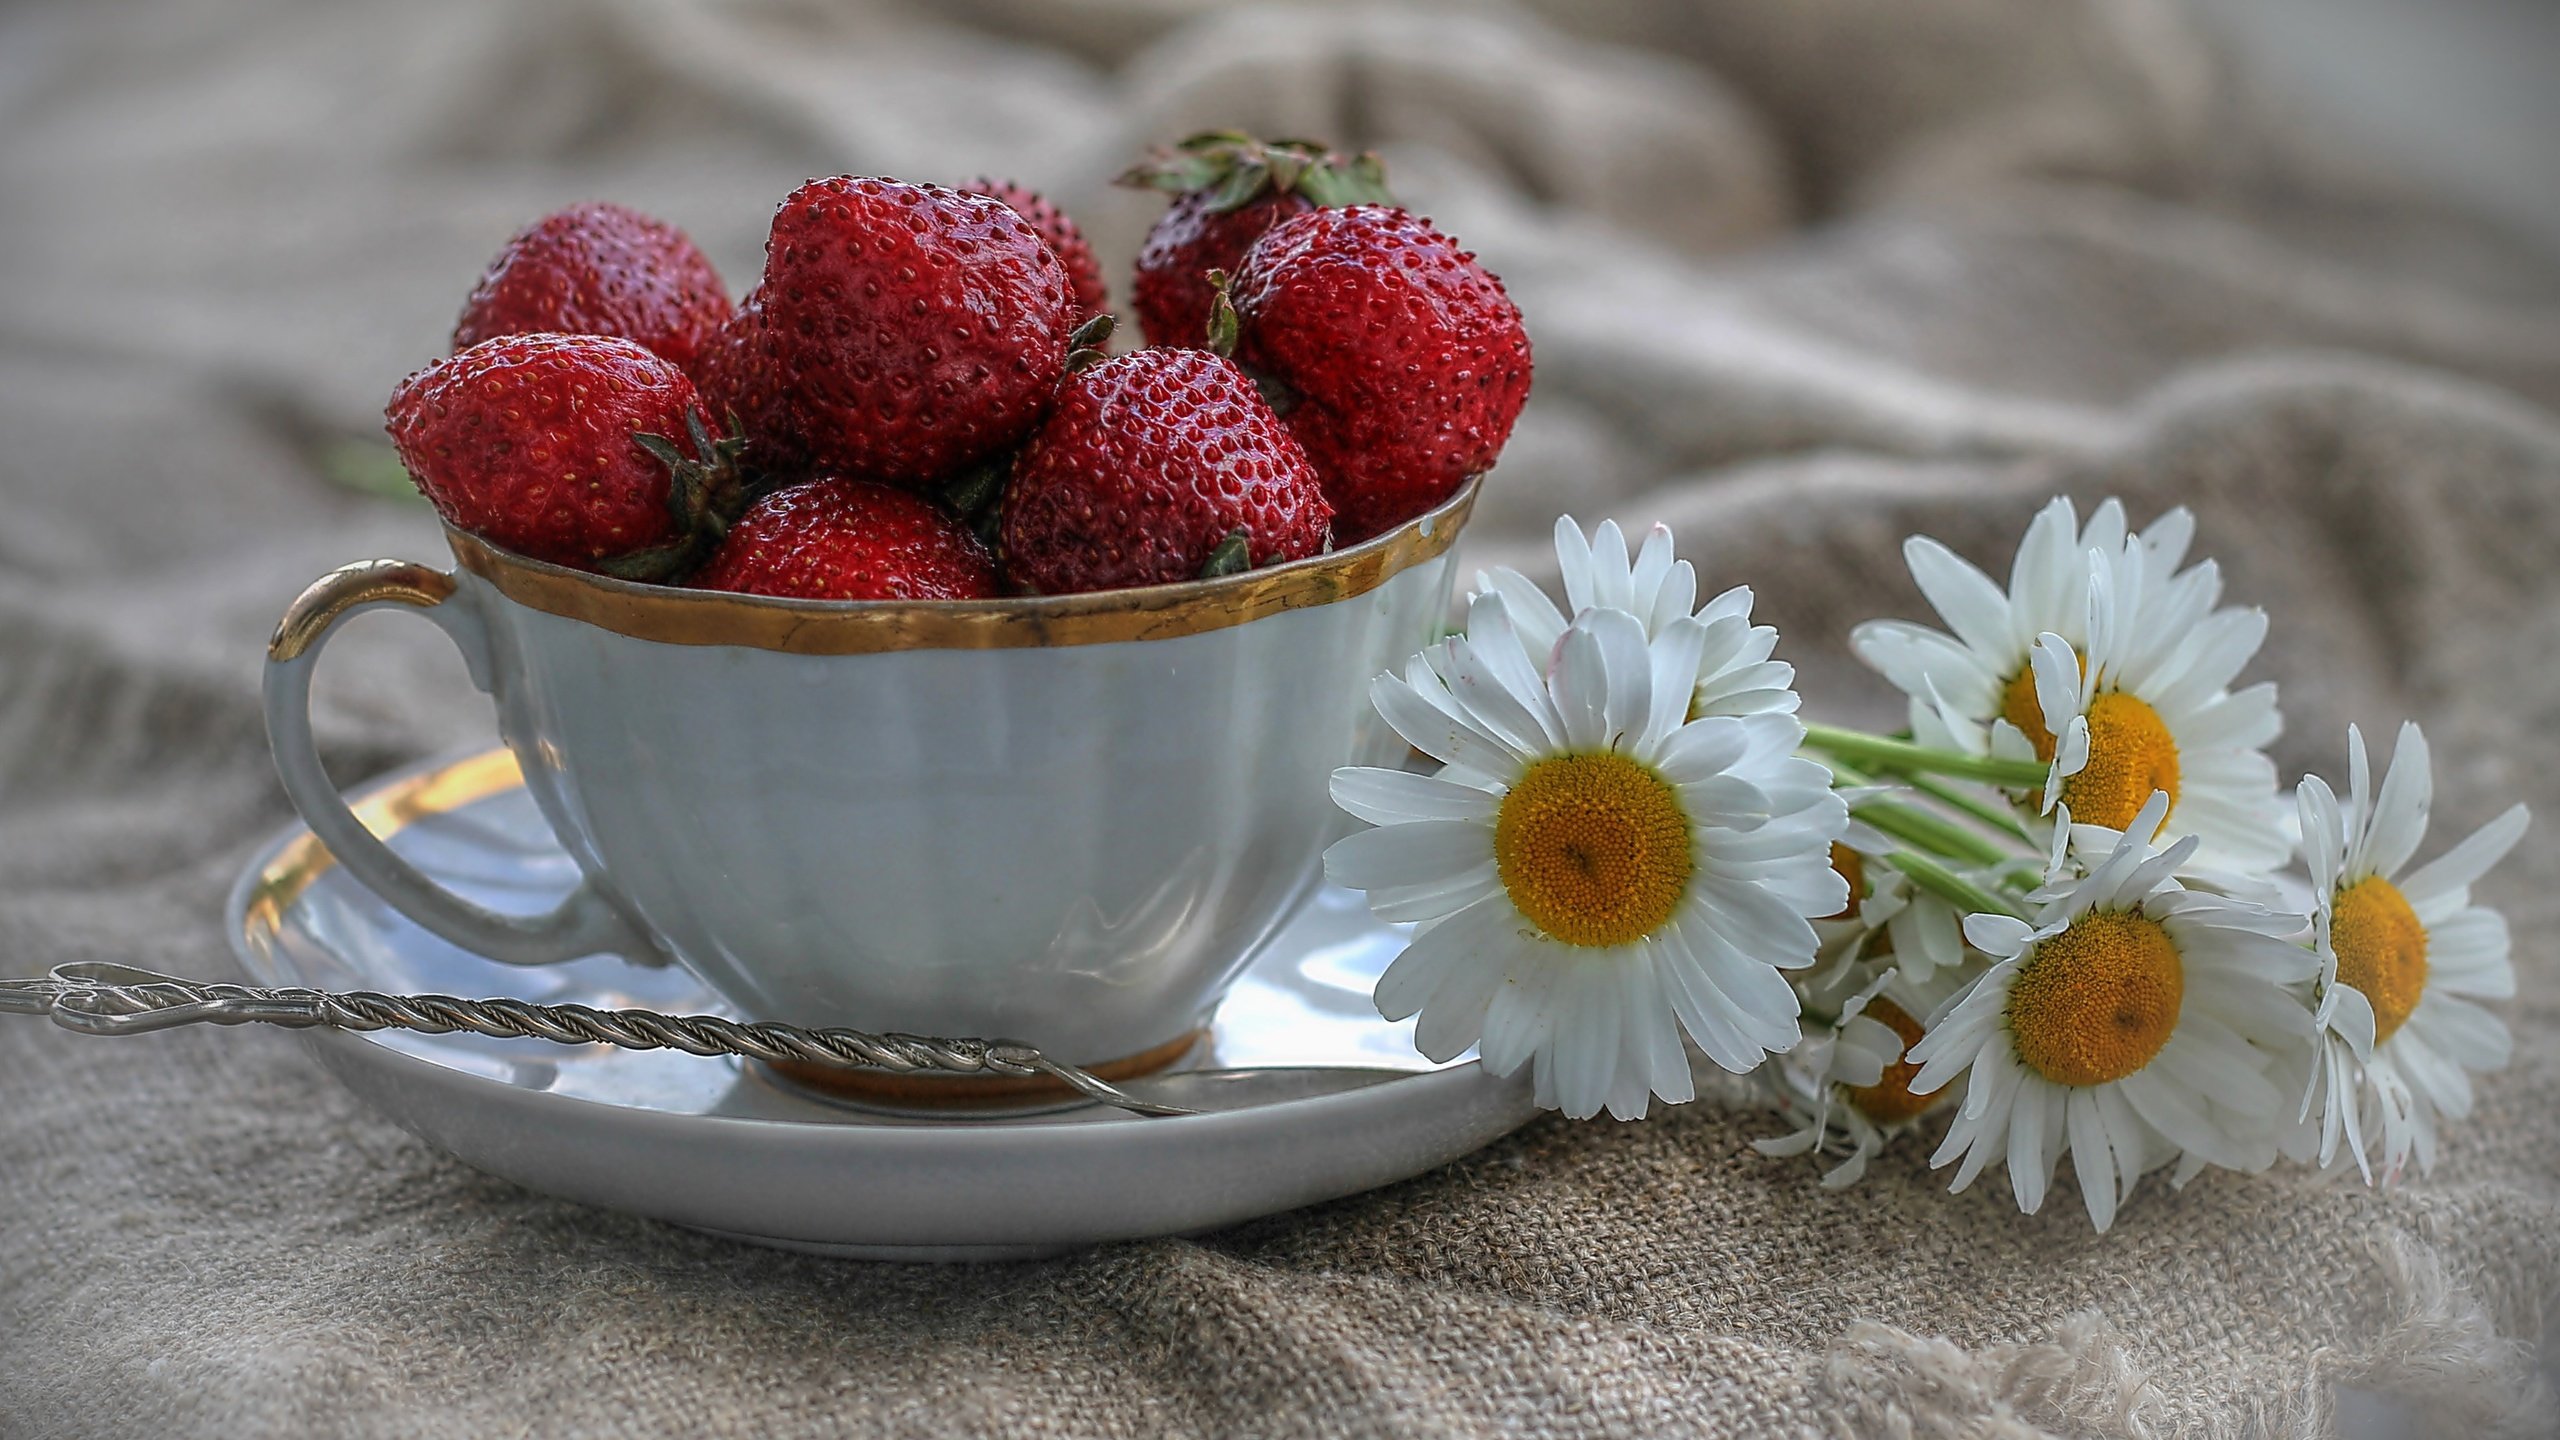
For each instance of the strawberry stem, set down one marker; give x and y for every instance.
(706, 491)
(1235, 169)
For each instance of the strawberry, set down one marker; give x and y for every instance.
(1398, 361)
(914, 329)
(1059, 229)
(1161, 465)
(741, 385)
(599, 269)
(555, 446)
(838, 539)
(1229, 189)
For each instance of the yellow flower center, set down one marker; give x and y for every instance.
(2096, 1002)
(1852, 867)
(2131, 754)
(2382, 950)
(1594, 849)
(2018, 706)
(1889, 1100)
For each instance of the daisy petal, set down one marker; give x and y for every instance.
(2169, 1109)
(2317, 807)
(1626, 659)
(2400, 811)
(1435, 731)
(1410, 854)
(1968, 600)
(1436, 899)
(2458, 869)
(1582, 1048)
(1652, 566)
(2030, 1166)
(1999, 936)
(1654, 1028)
(1573, 558)
(2045, 578)
(1705, 1011)
(1913, 658)
(1459, 943)
(1675, 677)
(1525, 723)
(1516, 1021)
(2453, 1026)
(1534, 617)
(2467, 955)
(1611, 580)
(2057, 673)
(1579, 688)
(2091, 1157)
(1389, 797)
(1702, 750)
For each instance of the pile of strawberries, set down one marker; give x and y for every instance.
(914, 401)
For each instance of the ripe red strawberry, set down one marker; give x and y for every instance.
(1152, 465)
(1058, 228)
(1401, 362)
(915, 329)
(739, 379)
(1229, 189)
(558, 447)
(599, 269)
(839, 539)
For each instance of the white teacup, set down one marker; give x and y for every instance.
(1067, 820)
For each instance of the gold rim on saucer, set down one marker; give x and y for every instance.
(386, 813)
(452, 787)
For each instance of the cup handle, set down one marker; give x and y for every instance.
(585, 923)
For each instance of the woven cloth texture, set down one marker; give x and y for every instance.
(1803, 276)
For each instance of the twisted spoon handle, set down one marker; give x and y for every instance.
(102, 998)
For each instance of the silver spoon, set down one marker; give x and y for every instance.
(103, 998)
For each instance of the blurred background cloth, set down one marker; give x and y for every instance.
(1802, 276)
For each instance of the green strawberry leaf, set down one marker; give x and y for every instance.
(1234, 555)
(1224, 324)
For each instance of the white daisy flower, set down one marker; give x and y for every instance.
(1970, 685)
(1922, 933)
(1591, 871)
(2143, 704)
(2132, 1023)
(2404, 963)
(1735, 674)
(1847, 1087)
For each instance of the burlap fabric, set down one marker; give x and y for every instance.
(1803, 275)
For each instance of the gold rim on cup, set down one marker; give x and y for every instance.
(675, 616)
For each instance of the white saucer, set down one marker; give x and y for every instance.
(719, 1146)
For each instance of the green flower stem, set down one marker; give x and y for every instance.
(1934, 833)
(1938, 836)
(1955, 798)
(1919, 826)
(1956, 890)
(1904, 756)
